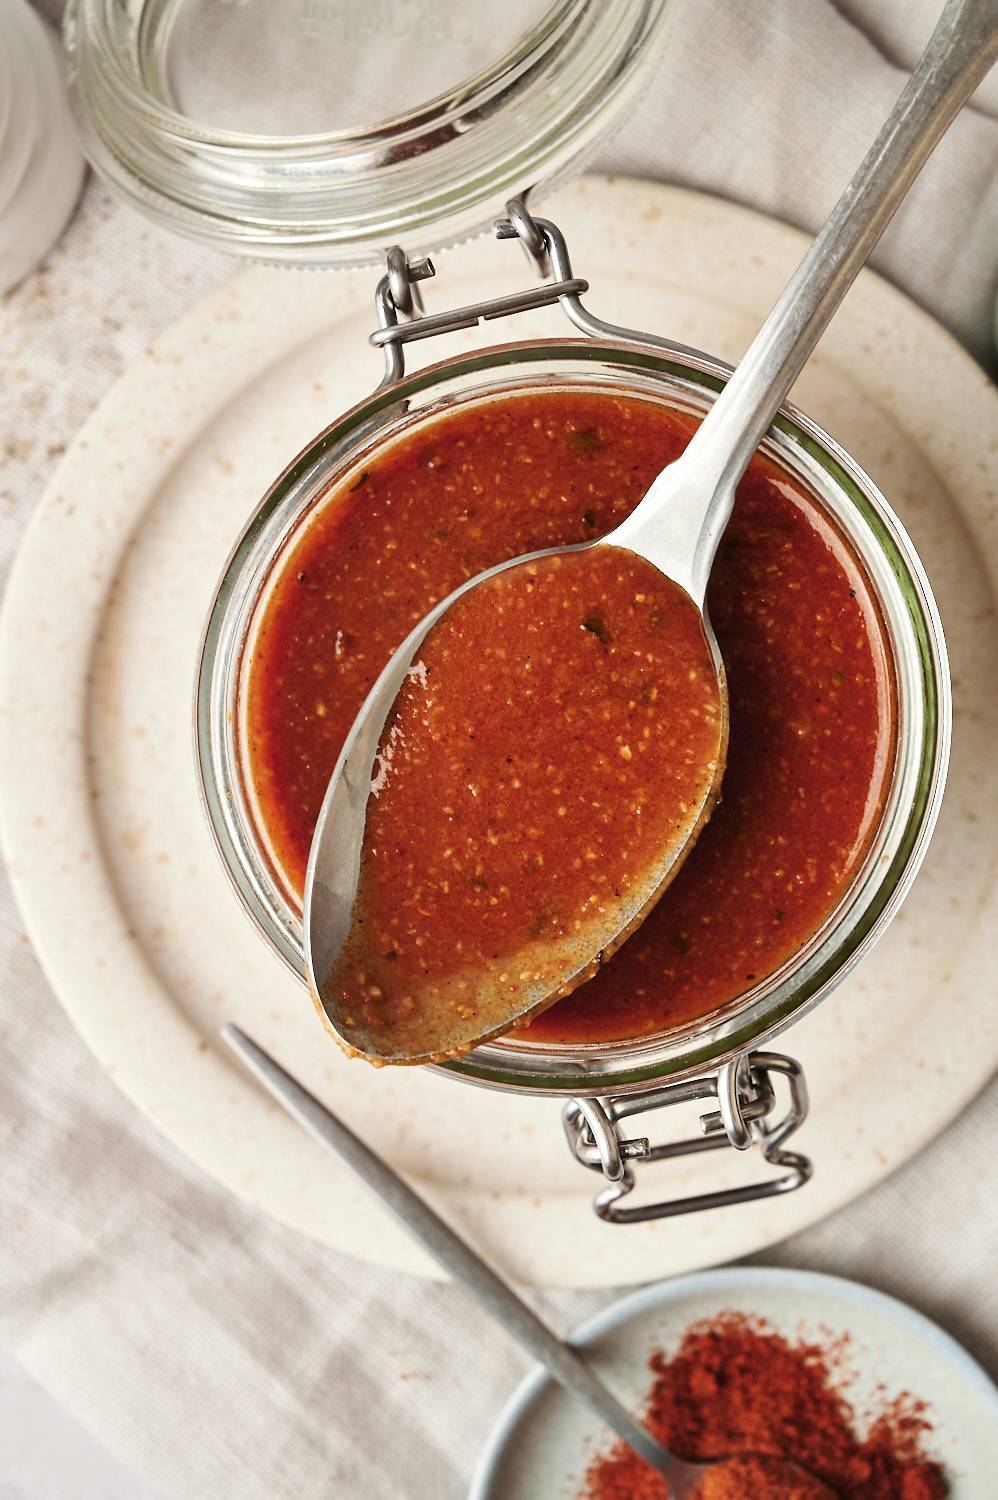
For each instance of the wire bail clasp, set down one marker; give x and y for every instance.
(746, 1100)
(399, 307)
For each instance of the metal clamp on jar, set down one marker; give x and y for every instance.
(746, 1099)
(716, 1058)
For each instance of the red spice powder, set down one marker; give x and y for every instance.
(736, 1387)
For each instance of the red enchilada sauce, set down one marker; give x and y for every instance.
(809, 686)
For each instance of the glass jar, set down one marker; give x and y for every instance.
(807, 454)
(715, 1056)
(319, 131)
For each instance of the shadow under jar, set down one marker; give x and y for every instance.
(707, 1050)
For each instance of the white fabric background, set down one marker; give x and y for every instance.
(214, 1351)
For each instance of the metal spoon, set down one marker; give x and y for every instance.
(499, 1300)
(677, 527)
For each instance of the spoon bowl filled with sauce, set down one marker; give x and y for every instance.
(556, 742)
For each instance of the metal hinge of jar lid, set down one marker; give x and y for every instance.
(399, 307)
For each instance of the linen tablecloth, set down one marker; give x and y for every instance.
(213, 1350)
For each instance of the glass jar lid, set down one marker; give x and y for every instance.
(320, 131)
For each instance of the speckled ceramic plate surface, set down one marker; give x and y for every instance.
(114, 867)
(544, 1440)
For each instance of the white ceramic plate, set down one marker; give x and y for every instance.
(119, 882)
(544, 1440)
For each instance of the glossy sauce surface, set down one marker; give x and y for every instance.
(809, 686)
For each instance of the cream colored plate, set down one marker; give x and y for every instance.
(114, 867)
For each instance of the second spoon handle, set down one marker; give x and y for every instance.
(457, 1257)
(699, 488)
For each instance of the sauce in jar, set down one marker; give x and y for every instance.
(810, 685)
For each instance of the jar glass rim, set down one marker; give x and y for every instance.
(431, 172)
(915, 639)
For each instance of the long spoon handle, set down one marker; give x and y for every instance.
(457, 1257)
(699, 489)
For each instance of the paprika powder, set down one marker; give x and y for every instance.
(737, 1387)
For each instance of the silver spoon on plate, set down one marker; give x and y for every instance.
(676, 528)
(686, 1480)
